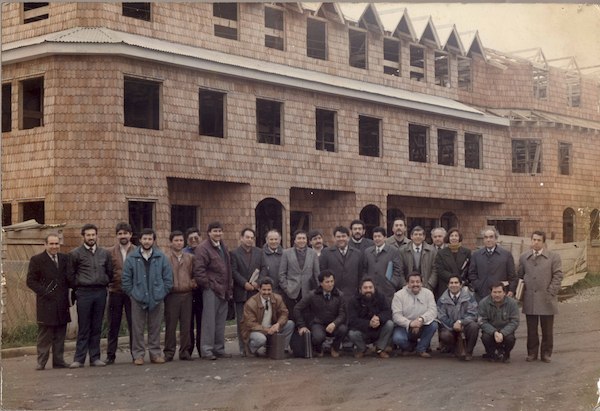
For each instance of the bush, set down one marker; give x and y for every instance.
(20, 336)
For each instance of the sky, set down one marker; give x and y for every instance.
(561, 30)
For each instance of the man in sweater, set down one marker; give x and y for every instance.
(414, 313)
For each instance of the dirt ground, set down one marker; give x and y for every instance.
(400, 383)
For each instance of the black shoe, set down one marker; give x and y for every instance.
(210, 357)
(186, 358)
(40, 367)
(109, 360)
(168, 359)
(60, 365)
(223, 355)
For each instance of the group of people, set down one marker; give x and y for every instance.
(391, 292)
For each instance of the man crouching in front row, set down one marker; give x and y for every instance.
(265, 314)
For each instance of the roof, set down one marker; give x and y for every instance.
(520, 117)
(104, 41)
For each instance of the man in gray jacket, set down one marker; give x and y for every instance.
(541, 269)
(382, 263)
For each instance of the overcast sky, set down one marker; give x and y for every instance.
(561, 30)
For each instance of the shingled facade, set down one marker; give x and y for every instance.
(296, 115)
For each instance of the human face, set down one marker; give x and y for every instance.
(147, 241)
(437, 236)
(265, 291)
(417, 237)
(273, 240)
(193, 240)
(415, 284)
(177, 243)
(247, 239)
(90, 237)
(489, 239)
(378, 239)
(454, 285)
(341, 239)
(52, 245)
(454, 238)
(327, 284)
(537, 242)
(215, 234)
(300, 241)
(498, 294)
(399, 228)
(358, 231)
(367, 289)
(124, 237)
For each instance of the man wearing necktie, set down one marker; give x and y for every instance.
(265, 314)
(48, 276)
(346, 262)
(457, 315)
(418, 256)
(328, 309)
(541, 269)
(491, 264)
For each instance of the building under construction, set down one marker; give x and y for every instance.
(288, 115)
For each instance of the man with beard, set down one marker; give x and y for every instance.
(315, 238)
(398, 239)
(49, 276)
(358, 239)
(457, 314)
(369, 320)
(271, 258)
(383, 265)
(192, 236)
(327, 309)
(245, 268)
(344, 261)
(147, 279)
(499, 319)
(117, 299)
(92, 271)
(414, 312)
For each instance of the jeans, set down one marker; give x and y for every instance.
(90, 311)
(407, 340)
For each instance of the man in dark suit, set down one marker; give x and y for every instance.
(48, 276)
(358, 239)
(245, 268)
(418, 256)
(298, 270)
(344, 261)
(382, 263)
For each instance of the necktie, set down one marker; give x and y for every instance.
(455, 299)
(418, 258)
(343, 252)
(266, 305)
(377, 250)
(55, 258)
(328, 296)
(490, 252)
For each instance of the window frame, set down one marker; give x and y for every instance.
(479, 138)
(425, 146)
(273, 137)
(363, 149)
(25, 115)
(156, 123)
(320, 135)
(223, 112)
(322, 22)
(525, 166)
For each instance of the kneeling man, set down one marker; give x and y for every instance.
(499, 317)
(369, 320)
(414, 312)
(457, 313)
(264, 314)
(327, 308)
